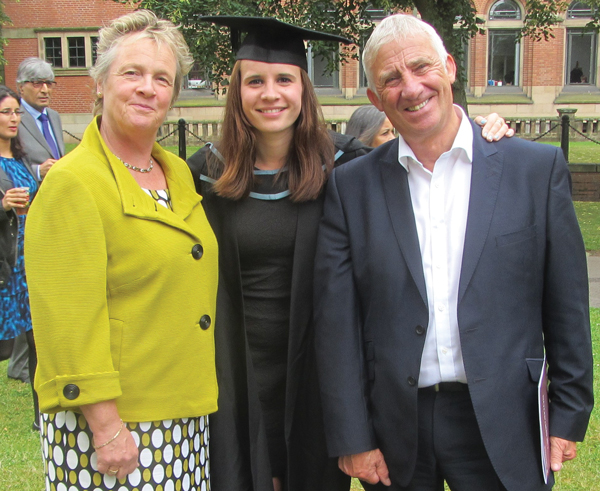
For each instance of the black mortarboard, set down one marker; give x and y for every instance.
(270, 40)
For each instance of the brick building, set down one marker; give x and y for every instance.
(522, 78)
(527, 80)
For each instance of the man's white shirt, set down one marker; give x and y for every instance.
(440, 201)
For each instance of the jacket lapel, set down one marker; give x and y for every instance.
(485, 183)
(56, 128)
(394, 180)
(29, 125)
(136, 202)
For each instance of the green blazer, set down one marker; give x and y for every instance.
(122, 289)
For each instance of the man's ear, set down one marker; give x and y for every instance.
(451, 68)
(374, 99)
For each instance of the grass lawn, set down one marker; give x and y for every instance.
(20, 455)
(588, 213)
(585, 152)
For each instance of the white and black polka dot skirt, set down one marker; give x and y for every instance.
(173, 455)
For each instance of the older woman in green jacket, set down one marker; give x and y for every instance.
(123, 268)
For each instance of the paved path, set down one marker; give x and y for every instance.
(594, 275)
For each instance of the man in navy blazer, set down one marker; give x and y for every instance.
(448, 269)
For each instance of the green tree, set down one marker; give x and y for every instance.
(4, 21)
(455, 20)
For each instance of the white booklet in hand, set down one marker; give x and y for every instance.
(544, 421)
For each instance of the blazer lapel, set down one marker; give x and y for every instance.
(394, 180)
(485, 183)
(29, 125)
(136, 203)
(57, 129)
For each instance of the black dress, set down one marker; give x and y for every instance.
(266, 233)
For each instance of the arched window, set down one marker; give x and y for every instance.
(505, 10)
(579, 10)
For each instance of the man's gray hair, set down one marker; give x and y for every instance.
(32, 69)
(398, 27)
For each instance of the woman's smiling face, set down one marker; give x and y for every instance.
(139, 88)
(271, 95)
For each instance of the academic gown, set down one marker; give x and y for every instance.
(239, 456)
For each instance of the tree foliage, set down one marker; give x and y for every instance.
(211, 44)
(4, 21)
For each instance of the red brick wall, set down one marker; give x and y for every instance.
(550, 70)
(63, 13)
(478, 61)
(73, 94)
(16, 51)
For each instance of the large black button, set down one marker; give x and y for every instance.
(420, 330)
(71, 392)
(197, 251)
(205, 322)
(411, 381)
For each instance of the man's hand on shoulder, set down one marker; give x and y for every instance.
(45, 167)
(369, 466)
(561, 451)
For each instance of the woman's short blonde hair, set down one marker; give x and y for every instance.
(148, 26)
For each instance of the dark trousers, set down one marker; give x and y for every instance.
(18, 365)
(450, 447)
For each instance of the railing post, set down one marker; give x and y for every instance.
(564, 138)
(182, 135)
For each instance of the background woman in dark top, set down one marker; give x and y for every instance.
(262, 188)
(17, 188)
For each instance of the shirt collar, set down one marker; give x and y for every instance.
(31, 110)
(463, 141)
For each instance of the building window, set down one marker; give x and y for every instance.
(317, 71)
(579, 10)
(53, 51)
(581, 57)
(362, 75)
(75, 50)
(503, 58)
(505, 10)
(376, 14)
(94, 42)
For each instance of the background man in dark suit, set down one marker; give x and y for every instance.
(40, 132)
(447, 268)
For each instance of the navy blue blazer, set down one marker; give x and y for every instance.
(523, 292)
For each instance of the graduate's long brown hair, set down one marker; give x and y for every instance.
(310, 149)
